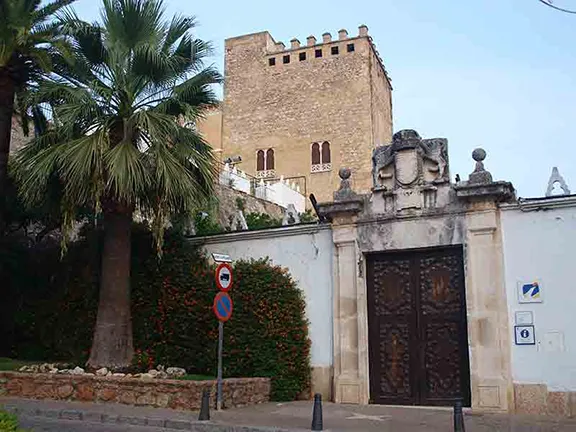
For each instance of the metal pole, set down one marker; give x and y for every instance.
(219, 385)
(317, 423)
(458, 417)
(205, 406)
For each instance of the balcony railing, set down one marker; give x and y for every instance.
(281, 191)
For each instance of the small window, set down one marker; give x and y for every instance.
(270, 159)
(271, 61)
(334, 50)
(260, 160)
(265, 160)
(321, 157)
(315, 153)
(350, 47)
(325, 152)
(286, 59)
(302, 56)
(318, 53)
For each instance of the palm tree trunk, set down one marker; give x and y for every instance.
(112, 345)
(7, 93)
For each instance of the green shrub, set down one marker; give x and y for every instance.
(261, 220)
(173, 321)
(9, 422)
(205, 225)
(240, 203)
(308, 217)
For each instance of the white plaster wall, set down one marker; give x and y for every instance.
(307, 252)
(542, 245)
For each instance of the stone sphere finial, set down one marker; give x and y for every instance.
(344, 173)
(479, 154)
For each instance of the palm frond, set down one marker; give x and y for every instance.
(130, 23)
(50, 9)
(179, 26)
(127, 176)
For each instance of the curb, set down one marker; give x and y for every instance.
(158, 422)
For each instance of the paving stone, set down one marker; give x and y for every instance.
(109, 418)
(178, 424)
(70, 415)
(93, 417)
(131, 420)
(156, 422)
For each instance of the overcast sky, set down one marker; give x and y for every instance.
(497, 74)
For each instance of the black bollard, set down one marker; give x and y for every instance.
(205, 406)
(317, 424)
(458, 417)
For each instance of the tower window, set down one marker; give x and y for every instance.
(350, 47)
(265, 163)
(315, 154)
(321, 157)
(286, 59)
(270, 159)
(271, 61)
(302, 56)
(325, 152)
(334, 50)
(260, 161)
(318, 53)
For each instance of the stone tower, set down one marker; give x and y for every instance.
(306, 110)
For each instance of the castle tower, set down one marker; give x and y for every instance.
(307, 110)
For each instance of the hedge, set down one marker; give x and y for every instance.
(173, 321)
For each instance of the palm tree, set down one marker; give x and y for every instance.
(28, 36)
(117, 144)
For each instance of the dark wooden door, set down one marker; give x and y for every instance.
(418, 343)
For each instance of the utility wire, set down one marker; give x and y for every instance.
(549, 3)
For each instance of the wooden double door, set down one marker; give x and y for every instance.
(418, 342)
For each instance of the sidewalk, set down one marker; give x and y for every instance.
(287, 417)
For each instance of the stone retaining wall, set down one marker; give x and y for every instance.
(174, 394)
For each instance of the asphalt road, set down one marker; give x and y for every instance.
(42, 424)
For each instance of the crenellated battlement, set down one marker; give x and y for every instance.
(279, 54)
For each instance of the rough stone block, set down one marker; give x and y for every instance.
(162, 400)
(146, 399)
(557, 404)
(107, 394)
(65, 391)
(127, 397)
(85, 392)
(530, 398)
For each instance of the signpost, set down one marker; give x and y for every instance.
(222, 307)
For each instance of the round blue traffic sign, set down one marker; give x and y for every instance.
(223, 306)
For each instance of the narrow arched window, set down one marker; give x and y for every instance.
(270, 159)
(315, 154)
(325, 152)
(260, 161)
(321, 157)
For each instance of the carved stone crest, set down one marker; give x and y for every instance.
(411, 171)
(406, 166)
(410, 160)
